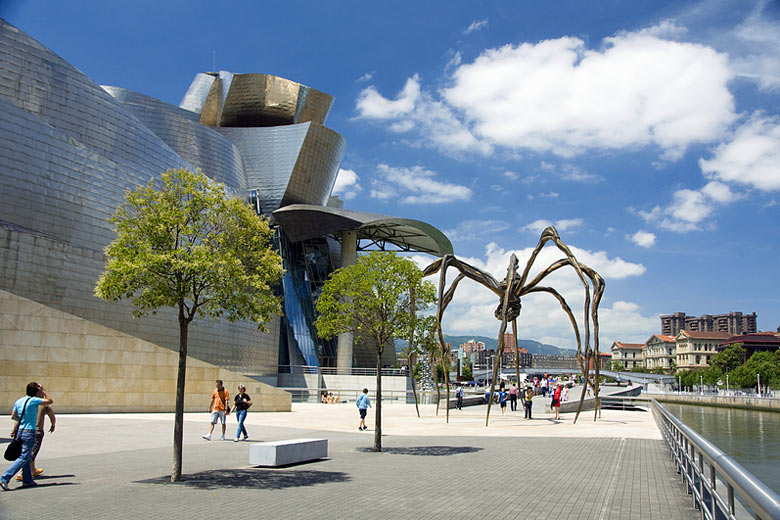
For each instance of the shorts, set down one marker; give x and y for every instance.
(503, 404)
(215, 415)
(363, 412)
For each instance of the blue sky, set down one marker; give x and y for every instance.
(647, 132)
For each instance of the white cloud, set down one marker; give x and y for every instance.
(639, 89)
(476, 25)
(415, 185)
(371, 104)
(561, 225)
(368, 76)
(347, 184)
(751, 157)
(690, 208)
(511, 175)
(642, 239)
(476, 229)
(755, 49)
(473, 305)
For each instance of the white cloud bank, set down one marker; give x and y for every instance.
(639, 89)
(561, 225)
(347, 184)
(751, 157)
(415, 185)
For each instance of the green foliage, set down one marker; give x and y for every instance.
(767, 364)
(641, 370)
(617, 366)
(371, 298)
(729, 359)
(184, 243)
(468, 375)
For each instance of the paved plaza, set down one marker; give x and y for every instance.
(117, 466)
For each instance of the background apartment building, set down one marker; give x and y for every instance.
(629, 354)
(733, 323)
(660, 352)
(696, 348)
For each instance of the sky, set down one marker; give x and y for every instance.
(648, 133)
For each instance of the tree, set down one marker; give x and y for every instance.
(183, 243)
(617, 366)
(729, 359)
(467, 373)
(372, 298)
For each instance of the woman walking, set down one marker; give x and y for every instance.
(556, 401)
(243, 402)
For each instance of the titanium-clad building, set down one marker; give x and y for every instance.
(69, 149)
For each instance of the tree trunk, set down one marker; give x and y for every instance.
(411, 363)
(178, 423)
(432, 362)
(378, 414)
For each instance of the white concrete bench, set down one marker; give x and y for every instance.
(292, 451)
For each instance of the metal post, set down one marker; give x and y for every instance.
(701, 385)
(758, 376)
(727, 384)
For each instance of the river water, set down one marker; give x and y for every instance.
(750, 437)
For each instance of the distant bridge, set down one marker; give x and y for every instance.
(635, 377)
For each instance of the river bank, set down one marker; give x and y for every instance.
(766, 404)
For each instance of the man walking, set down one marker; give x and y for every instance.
(527, 402)
(363, 403)
(459, 397)
(218, 409)
(513, 398)
(26, 409)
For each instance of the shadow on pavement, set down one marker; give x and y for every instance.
(253, 478)
(426, 451)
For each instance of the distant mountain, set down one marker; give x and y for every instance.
(534, 347)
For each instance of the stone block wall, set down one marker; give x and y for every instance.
(89, 368)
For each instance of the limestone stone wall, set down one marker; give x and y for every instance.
(87, 367)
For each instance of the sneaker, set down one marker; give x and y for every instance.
(31, 484)
(207, 437)
(246, 438)
(4, 486)
(222, 438)
(236, 439)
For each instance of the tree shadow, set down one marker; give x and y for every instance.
(425, 451)
(251, 478)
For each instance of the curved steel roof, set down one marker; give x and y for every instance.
(304, 221)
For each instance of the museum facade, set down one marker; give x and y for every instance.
(69, 149)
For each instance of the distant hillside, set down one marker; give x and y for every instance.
(534, 347)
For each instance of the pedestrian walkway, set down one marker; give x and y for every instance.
(117, 466)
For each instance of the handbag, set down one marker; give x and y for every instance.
(14, 449)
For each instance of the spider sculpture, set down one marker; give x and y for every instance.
(513, 288)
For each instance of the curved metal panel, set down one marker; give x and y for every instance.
(203, 147)
(303, 222)
(69, 151)
(195, 96)
(270, 155)
(317, 166)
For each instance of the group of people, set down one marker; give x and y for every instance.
(28, 416)
(329, 398)
(556, 388)
(219, 409)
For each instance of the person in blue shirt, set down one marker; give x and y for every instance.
(502, 396)
(363, 403)
(26, 410)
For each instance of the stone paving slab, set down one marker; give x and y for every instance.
(117, 467)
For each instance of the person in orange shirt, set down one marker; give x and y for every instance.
(218, 408)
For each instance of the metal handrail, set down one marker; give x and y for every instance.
(313, 369)
(690, 451)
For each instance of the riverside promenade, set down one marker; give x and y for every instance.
(117, 466)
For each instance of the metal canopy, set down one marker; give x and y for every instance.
(304, 221)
